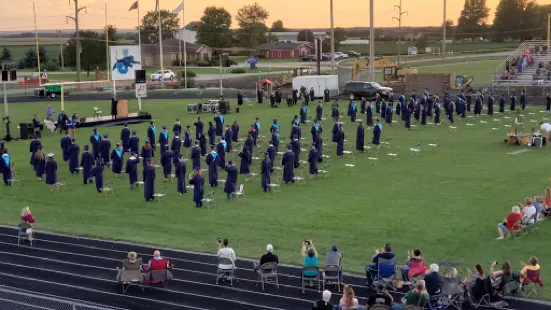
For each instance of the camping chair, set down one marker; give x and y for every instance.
(97, 113)
(526, 227)
(108, 189)
(310, 279)
(385, 273)
(159, 277)
(374, 159)
(394, 156)
(453, 128)
(416, 149)
(240, 193)
(515, 233)
(209, 200)
(160, 193)
(529, 285)
(223, 273)
(481, 292)
(352, 165)
(348, 151)
(331, 277)
(129, 277)
(14, 181)
(436, 301)
(266, 272)
(510, 289)
(452, 293)
(22, 231)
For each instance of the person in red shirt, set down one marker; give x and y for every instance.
(510, 223)
(27, 217)
(157, 263)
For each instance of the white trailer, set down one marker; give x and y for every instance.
(319, 83)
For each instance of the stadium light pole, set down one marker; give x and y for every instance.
(444, 32)
(332, 38)
(371, 42)
(399, 19)
(61, 50)
(77, 35)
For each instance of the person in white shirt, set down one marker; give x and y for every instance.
(226, 252)
(546, 132)
(528, 211)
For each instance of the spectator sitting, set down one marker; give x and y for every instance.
(528, 275)
(416, 297)
(510, 223)
(380, 298)
(323, 304)
(433, 281)
(537, 204)
(269, 257)
(415, 267)
(37, 124)
(156, 263)
(385, 253)
(310, 258)
(501, 277)
(226, 252)
(348, 301)
(528, 211)
(470, 281)
(130, 263)
(334, 258)
(27, 218)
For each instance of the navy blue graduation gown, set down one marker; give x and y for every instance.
(335, 110)
(249, 144)
(51, 172)
(406, 114)
(478, 106)
(5, 168)
(134, 144)
(430, 106)
(198, 183)
(388, 114)
(166, 162)
(95, 139)
(450, 112)
(353, 112)
(319, 146)
(97, 173)
(87, 164)
(175, 147)
(340, 142)
(198, 129)
(383, 109)
(213, 169)
(360, 138)
(272, 152)
(319, 113)
(149, 182)
(221, 150)
(513, 103)
(295, 131)
(548, 103)
(146, 154)
(151, 132)
(313, 160)
(203, 145)
(246, 160)
(231, 180)
(228, 136)
(376, 135)
(523, 102)
(334, 132)
(39, 165)
(369, 115)
(378, 104)
(33, 148)
(295, 147)
(163, 139)
(196, 156)
(74, 153)
(314, 131)
(254, 134)
(180, 172)
(275, 140)
(235, 131)
(491, 105)
(187, 139)
(502, 105)
(117, 162)
(177, 129)
(469, 102)
(104, 150)
(266, 173)
(303, 114)
(437, 114)
(132, 169)
(212, 135)
(219, 125)
(65, 144)
(125, 138)
(288, 162)
(424, 116)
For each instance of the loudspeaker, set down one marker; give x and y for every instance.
(224, 107)
(4, 76)
(26, 130)
(13, 75)
(140, 76)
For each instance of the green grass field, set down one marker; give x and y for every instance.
(446, 201)
(391, 48)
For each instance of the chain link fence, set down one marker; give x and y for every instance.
(16, 299)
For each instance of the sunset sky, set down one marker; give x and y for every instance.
(17, 15)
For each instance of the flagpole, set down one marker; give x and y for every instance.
(107, 45)
(185, 50)
(139, 29)
(160, 41)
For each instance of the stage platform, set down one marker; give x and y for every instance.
(100, 121)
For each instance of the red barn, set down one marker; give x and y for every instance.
(285, 50)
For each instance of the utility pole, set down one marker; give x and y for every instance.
(77, 34)
(371, 42)
(399, 19)
(332, 38)
(444, 33)
(61, 50)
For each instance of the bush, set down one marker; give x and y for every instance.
(189, 73)
(190, 83)
(51, 66)
(202, 63)
(21, 64)
(238, 70)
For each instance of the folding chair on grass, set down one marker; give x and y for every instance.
(394, 155)
(275, 187)
(266, 273)
(59, 185)
(310, 280)
(209, 200)
(435, 144)
(225, 273)
(374, 159)
(324, 172)
(299, 177)
(481, 293)
(452, 294)
(160, 193)
(416, 149)
(515, 233)
(107, 189)
(240, 193)
(531, 283)
(14, 180)
(351, 166)
(330, 276)
(385, 142)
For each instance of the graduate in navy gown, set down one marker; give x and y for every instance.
(149, 181)
(377, 130)
(219, 121)
(134, 143)
(87, 164)
(97, 173)
(180, 172)
(288, 161)
(95, 139)
(478, 106)
(272, 152)
(105, 149)
(254, 133)
(211, 161)
(163, 139)
(388, 114)
(231, 179)
(295, 132)
(353, 112)
(401, 103)
(257, 127)
(5, 167)
(318, 141)
(450, 111)
(383, 109)
(340, 140)
(437, 113)
(430, 105)
(249, 142)
(196, 155)
(33, 148)
(417, 110)
(132, 169)
(424, 115)
(125, 138)
(275, 140)
(319, 112)
(74, 153)
(335, 109)
(295, 147)
(51, 171)
(315, 128)
(523, 100)
(275, 126)
(203, 145)
(406, 115)
(377, 103)
(188, 138)
(548, 102)
(152, 134)
(212, 134)
(303, 113)
(117, 156)
(39, 163)
(360, 137)
(335, 130)
(177, 127)
(65, 144)
(266, 172)
(175, 147)
(491, 101)
(221, 148)
(313, 159)
(146, 153)
(166, 162)
(468, 102)
(513, 102)
(235, 130)
(198, 183)
(363, 105)
(228, 137)
(246, 160)
(199, 125)
(502, 104)
(369, 115)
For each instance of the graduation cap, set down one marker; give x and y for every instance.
(210, 123)
(265, 153)
(164, 127)
(148, 160)
(313, 144)
(177, 119)
(86, 147)
(196, 141)
(125, 124)
(95, 130)
(188, 126)
(118, 144)
(235, 120)
(230, 161)
(50, 155)
(105, 135)
(134, 132)
(197, 168)
(180, 156)
(146, 141)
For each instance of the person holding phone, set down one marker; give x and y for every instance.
(226, 252)
(310, 255)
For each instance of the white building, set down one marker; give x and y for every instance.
(291, 36)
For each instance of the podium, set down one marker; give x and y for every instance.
(122, 108)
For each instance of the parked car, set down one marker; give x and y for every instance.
(365, 89)
(307, 58)
(326, 56)
(340, 55)
(167, 75)
(353, 54)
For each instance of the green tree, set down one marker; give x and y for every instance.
(277, 26)
(93, 51)
(170, 24)
(449, 28)
(510, 17)
(422, 43)
(251, 19)
(113, 34)
(214, 29)
(6, 54)
(31, 59)
(305, 35)
(472, 20)
(340, 35)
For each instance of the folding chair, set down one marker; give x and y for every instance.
(127, 278)
(209, 200)
(374, 160)
(385, 143)
(224, 273)
(452, 294)
(352, 165)
(385, 273)
(299, 177)
(394, 156)
(531, 283)
(22, 231)
(510, 289)
(453, 128)
(266, 272)
(97, 113)
(435, 144)
(324, 172)
(480, 294)
(416, 149)
(274, 187)
(348, 151)
(160, 193)
(14, 181)
(59, 185)
(436, 302)
(310, 279)
(240, 193)
(330, 276)
(108, 189)
(515, 233)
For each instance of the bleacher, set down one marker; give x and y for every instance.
(60, 267)
(531, 74)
